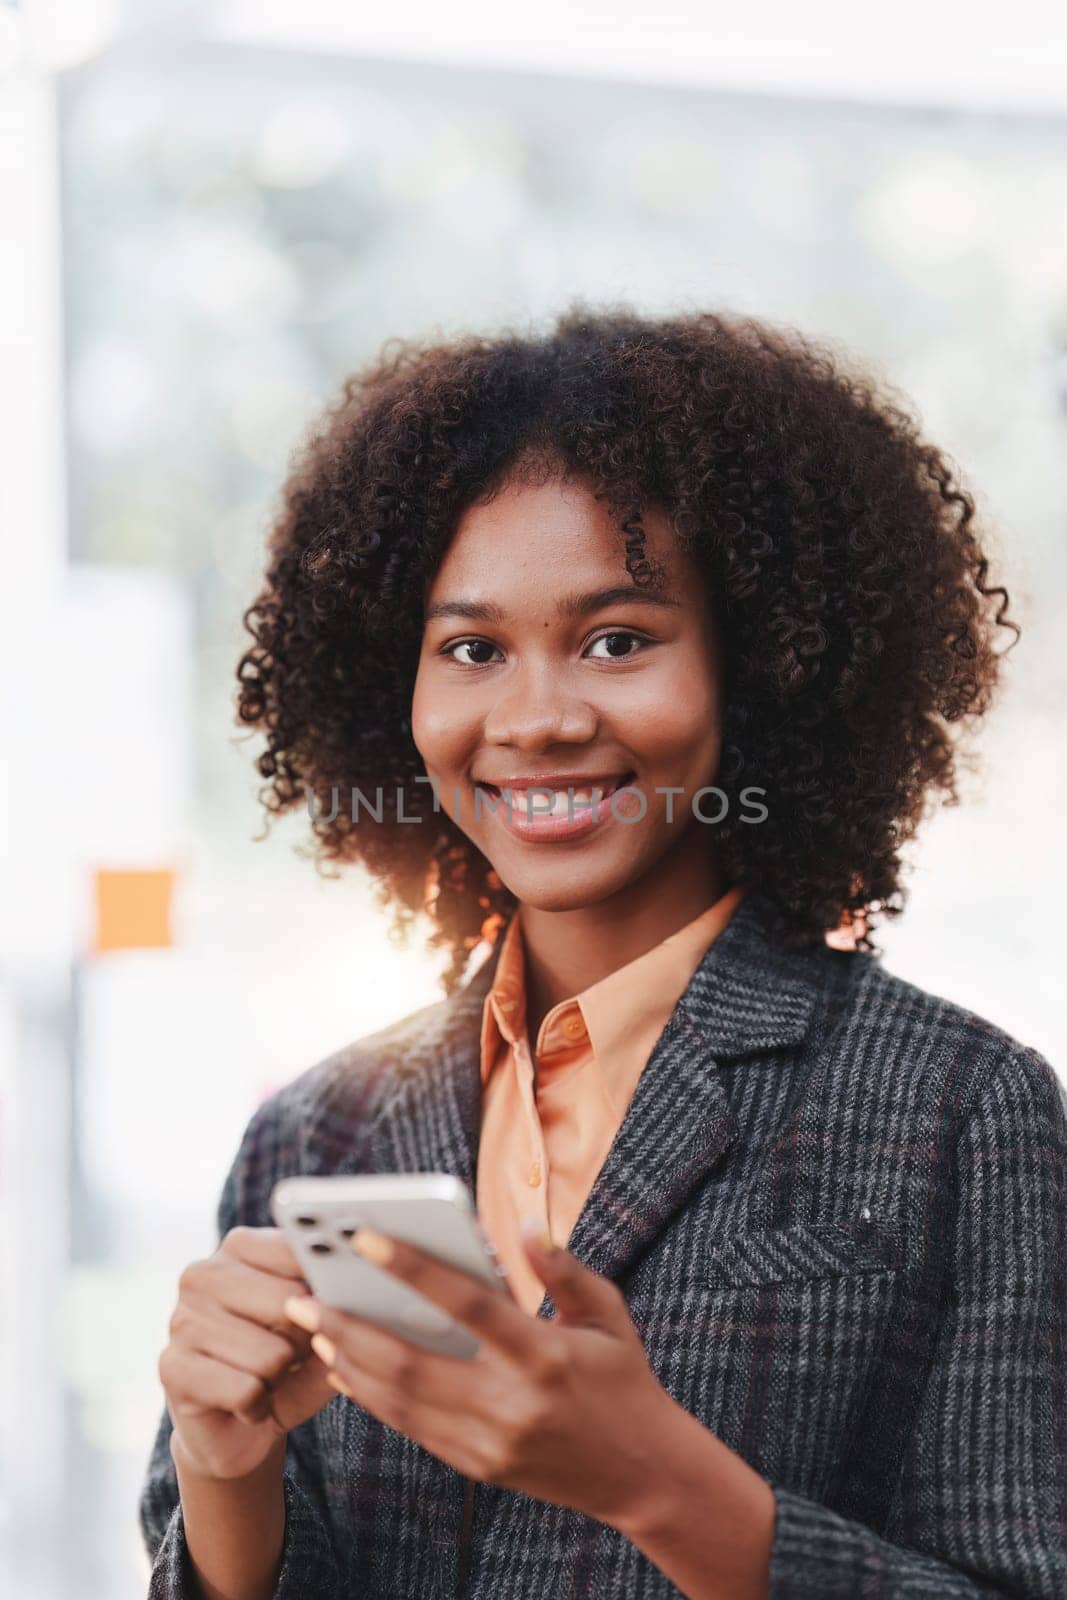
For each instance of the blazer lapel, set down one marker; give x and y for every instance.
(749, 994)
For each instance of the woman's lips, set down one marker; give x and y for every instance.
(573, 813)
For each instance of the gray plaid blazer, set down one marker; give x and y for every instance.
(837, 1207)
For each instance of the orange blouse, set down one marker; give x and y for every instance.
(544, 1135)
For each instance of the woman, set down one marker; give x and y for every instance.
(786, 1236)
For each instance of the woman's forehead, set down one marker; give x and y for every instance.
(559, 537)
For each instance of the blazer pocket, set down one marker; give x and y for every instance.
(803, 1252)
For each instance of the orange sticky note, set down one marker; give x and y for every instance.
(132, 908)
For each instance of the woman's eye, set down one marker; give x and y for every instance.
(469, 644)
(626, 636)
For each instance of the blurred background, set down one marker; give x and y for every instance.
(209, 213)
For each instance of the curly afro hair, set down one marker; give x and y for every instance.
(840, 553)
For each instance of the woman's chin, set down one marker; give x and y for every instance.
(563, 886)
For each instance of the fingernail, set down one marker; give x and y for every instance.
(324, 1348)
(305, 1313)
(373, 1245)
(339, 1383)
(532, 1230)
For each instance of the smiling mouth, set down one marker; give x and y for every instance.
(577, 795)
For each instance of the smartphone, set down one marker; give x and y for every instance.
(432, 1210)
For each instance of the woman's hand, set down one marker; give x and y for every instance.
(564, 1410)
(236, 1374)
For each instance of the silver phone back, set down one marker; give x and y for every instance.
(430, 1210)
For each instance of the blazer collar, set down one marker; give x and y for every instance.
(749, 994)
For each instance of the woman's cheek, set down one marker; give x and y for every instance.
(440, 738)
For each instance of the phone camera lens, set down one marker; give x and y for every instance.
(321, 1247)
(308, 1222)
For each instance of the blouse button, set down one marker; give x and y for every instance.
(534, 1177)
(574, 1027)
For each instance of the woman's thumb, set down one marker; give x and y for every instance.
(580, 1295)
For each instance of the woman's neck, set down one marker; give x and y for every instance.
(567, 951)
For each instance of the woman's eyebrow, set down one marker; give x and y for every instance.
(575, 605)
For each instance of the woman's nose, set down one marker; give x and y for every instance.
(538, 711)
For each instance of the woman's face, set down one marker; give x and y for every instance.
(522, 677)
